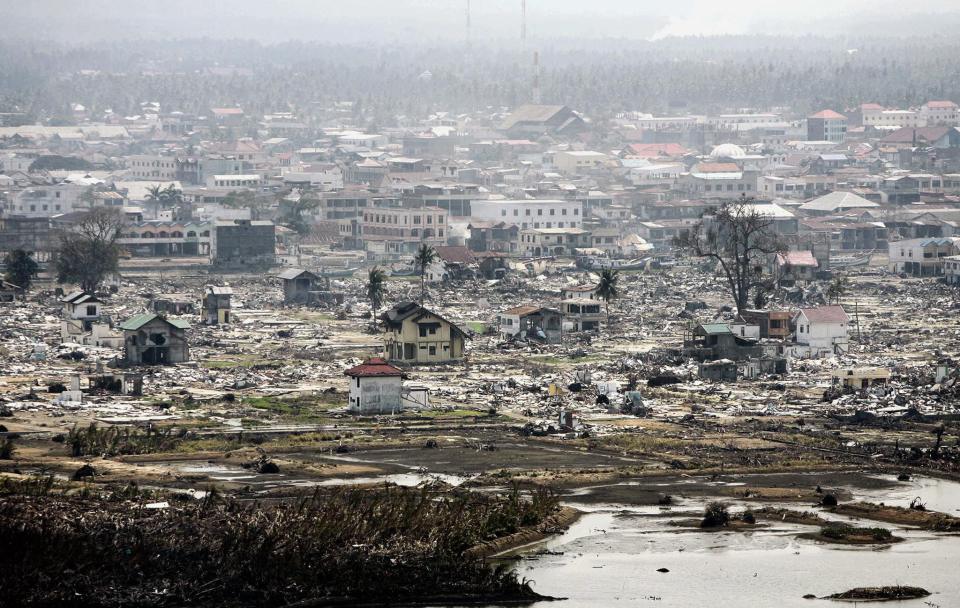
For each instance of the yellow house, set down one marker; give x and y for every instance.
(417, 335)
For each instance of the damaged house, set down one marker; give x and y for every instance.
(216, 304)
(149, 339)
(454, 263)
(531, 323)
(715, 341)
(417, 335)
(83, 322)
(792, 267)
(581, 308)
(297, 285)
(9, 292)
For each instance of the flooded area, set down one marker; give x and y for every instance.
(612, 555)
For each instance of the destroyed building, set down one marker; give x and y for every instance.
(9, 292)
(714, 341)
(149, 339)
(531, 323)
(860, 377)
(298, 284)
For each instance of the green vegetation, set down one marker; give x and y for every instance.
(21, 268)
(299, 409)
(386, 545)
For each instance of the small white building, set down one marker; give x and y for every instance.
(822, 329)
(951, 269)
(375, 388)
(81, 306)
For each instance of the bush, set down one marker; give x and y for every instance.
(716, 515)
(7, 449)
(382, 546)
(665, 500)
(748, 517)
(828, 500)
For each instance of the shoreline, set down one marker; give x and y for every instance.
(556, 523)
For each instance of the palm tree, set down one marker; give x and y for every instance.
(837, 289)
(376, 289)
(425, 256)
(607, 287)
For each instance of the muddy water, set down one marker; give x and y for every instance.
(611, 556)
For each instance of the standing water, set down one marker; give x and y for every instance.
(611, 556)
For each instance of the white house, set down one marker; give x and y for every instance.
(823, 329)
(375, 387)
(81, 306)
(951, 269)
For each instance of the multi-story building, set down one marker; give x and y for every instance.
(47, 201)
(553, 241)
(827, 125)
(922, 257)
(718, 180)
(530, 213)
(166, 239)
(243, 243)
(940, 113)
(398, 230)
(892, 118)
(152, 167)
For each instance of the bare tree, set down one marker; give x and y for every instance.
(89, 251)
(739, 238)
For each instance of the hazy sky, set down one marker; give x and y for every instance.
(435, 20)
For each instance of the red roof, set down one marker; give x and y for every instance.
(870, 106)
(909, 135)
(941, 104)
(826, 314)
(827, 114)
(716, 168)
(455, 254)
(654, 150)
(797, 258)
(376, 366)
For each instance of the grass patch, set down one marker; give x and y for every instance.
(298, 409)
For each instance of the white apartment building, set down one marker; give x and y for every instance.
(937, 113)
(234, 181)
(152, 166)
(892, 118)
(530, 213)
(47, 201)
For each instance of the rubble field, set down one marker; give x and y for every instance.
(270, 386)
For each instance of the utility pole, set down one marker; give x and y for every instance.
(523, 23)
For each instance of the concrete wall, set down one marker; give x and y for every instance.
(375, 395)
